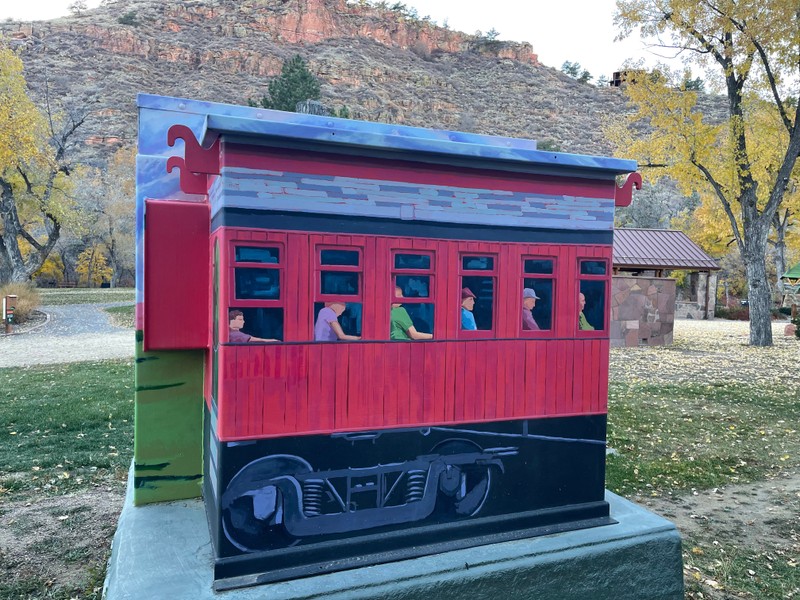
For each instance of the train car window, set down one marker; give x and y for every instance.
(478, 281)
(257, 284)
(339, 257)
(263, 323)
(336, 283)
(537, 295)
(350, 319)
(257, 294)
(539, 266)
(255, 254)
(593, 267)
(477, 263)
(414, 286)
(412, 261)
(592, 292)
(414, 292)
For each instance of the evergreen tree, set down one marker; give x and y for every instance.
(295, 84)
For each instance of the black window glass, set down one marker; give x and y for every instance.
(594, 310)
(483, 288)
(257, 284)
(339, 257)
(350, 319)
(542, 310)
(593, 267)
(421, 315)
(339, 282)
(414, 286)
(412, 261)
(478, 263)
(264, 323)
(253, 254)
(535, 265)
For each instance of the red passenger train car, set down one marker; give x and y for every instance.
(329, 442)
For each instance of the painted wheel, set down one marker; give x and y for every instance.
(463, 489)
(253, 505)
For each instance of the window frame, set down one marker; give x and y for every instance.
(430, 273)
(319, 268)
(235, 302)
(553, 278)
(493, 274)
(606, 279)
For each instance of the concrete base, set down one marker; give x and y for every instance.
(164, 551)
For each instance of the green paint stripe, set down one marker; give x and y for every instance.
(152, 388)
(140, 482)
(152, 467)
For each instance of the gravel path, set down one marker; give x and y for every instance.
(73, 333)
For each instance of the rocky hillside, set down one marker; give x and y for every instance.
(382, 64)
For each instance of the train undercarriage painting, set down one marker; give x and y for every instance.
(344, 486)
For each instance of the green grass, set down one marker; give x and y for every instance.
(65, 427)
(85, 295)
(122, 316)
(673, 438)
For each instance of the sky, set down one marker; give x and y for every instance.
(579, 31)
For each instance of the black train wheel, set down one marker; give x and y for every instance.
(463, 489)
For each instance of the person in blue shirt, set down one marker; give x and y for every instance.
(467, 305)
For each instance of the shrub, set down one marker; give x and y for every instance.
(129, 18)
(796, 323)
(27, 299)
(735, 313)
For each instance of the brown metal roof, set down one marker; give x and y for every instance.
(659, 249)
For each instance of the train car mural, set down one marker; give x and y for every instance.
(365, 342)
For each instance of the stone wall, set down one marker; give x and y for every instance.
(700, 305)
(642, 311)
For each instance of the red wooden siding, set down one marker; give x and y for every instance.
(301, 387)
(176, 286)
(273, 390)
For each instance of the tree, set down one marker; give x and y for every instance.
(574, 70)
(78, 7)
(295, 84)
(35, 199)
(654, 206)
(753, 48)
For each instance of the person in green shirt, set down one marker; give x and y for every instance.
(402, 327)
(583, 324)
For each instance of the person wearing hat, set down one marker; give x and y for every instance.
(467, 305)
(529, 299)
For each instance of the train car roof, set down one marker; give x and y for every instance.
(330, 134)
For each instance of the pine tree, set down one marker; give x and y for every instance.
(295, 84)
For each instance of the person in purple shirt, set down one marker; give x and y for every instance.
(529, 299)
(235, 333)
(327, 328)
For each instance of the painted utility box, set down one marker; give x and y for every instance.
(365, 342)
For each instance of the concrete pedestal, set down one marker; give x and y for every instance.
(164, 551)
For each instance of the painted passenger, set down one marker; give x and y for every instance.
(529, 299)
(583, 324)
(235, 333)
(467, 306)
(327, 327)
(402, 327)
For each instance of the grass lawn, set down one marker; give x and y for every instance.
(66, 442)
(56, 296)
(122, 316)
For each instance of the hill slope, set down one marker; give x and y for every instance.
(382, 64)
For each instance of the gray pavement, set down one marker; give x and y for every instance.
(72, 333)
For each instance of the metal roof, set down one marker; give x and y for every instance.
(395, 141)
(659, 249)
